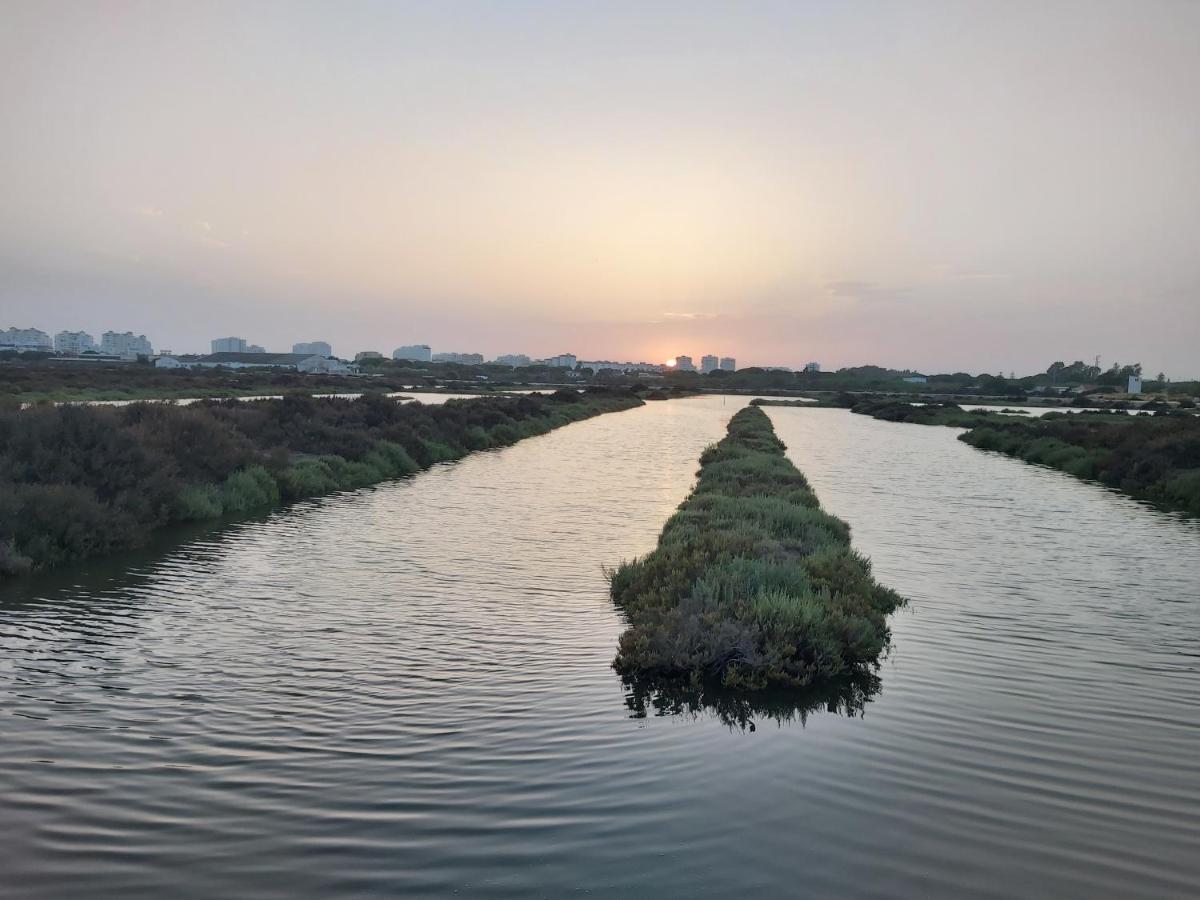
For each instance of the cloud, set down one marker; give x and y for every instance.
(688, 315)
(150, 212)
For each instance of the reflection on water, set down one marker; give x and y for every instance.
(740, 709)
(406, 691)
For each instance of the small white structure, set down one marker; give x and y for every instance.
(168, 362)
(414, 352)
(1135, 385)
(916, 379)
(466, 359)
(323, 364)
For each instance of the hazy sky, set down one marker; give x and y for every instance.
(943, 186)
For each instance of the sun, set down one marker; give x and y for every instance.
(670, 362)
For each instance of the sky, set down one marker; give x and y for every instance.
(950, 186)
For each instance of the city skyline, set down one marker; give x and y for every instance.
(925, 186)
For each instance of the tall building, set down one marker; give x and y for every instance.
(709, 363)
(465, 359)
(313, 348)
(684, 364)
(126, 344)
(25, 339)
(563, 361)
(416, 352)
(728, 364)
(812, 367)
(229, 345)
(515, 360)
(73, 342)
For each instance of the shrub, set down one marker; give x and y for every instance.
(751, 584)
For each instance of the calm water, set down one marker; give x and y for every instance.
(405, 691)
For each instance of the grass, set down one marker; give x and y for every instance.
(752, 585)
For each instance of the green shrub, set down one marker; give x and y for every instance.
(199, 501)
(751, 584)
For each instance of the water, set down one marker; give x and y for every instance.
(405, 691)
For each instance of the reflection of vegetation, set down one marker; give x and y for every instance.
(846, 696)
(86, 481)
(752, 585)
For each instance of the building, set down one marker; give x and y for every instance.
(73, 343)
(300, 362)
(367, 354)
(415, 352)
(255, 348)
(684, 364)
(465, 359)
(318, 348)
(516, 360)
(125, 344)
(812, 367)
(562, 361)
(709, 363)
(229, 345)
(728, 364)
(915, 379)
(1134, 385)
(25, 339)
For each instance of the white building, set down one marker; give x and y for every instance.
(255, 348)
(812, 367)
(229, 345)
(465, 359)
(562, 361)
(415, 352)
(125, 344)
(25, 339)
(301, 362)
(1135, 385)
(516, 360)
(169, 362)
(916, 379)
(684, 364)
(317, 348)
(709, 363)
(73, 342)
(728, 364)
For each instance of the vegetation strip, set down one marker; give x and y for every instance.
(1151, 458)
(752, 585)
(78, 481)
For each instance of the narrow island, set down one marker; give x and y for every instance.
(752, 585)
(84, 481)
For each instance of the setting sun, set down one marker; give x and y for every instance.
(669, 362)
